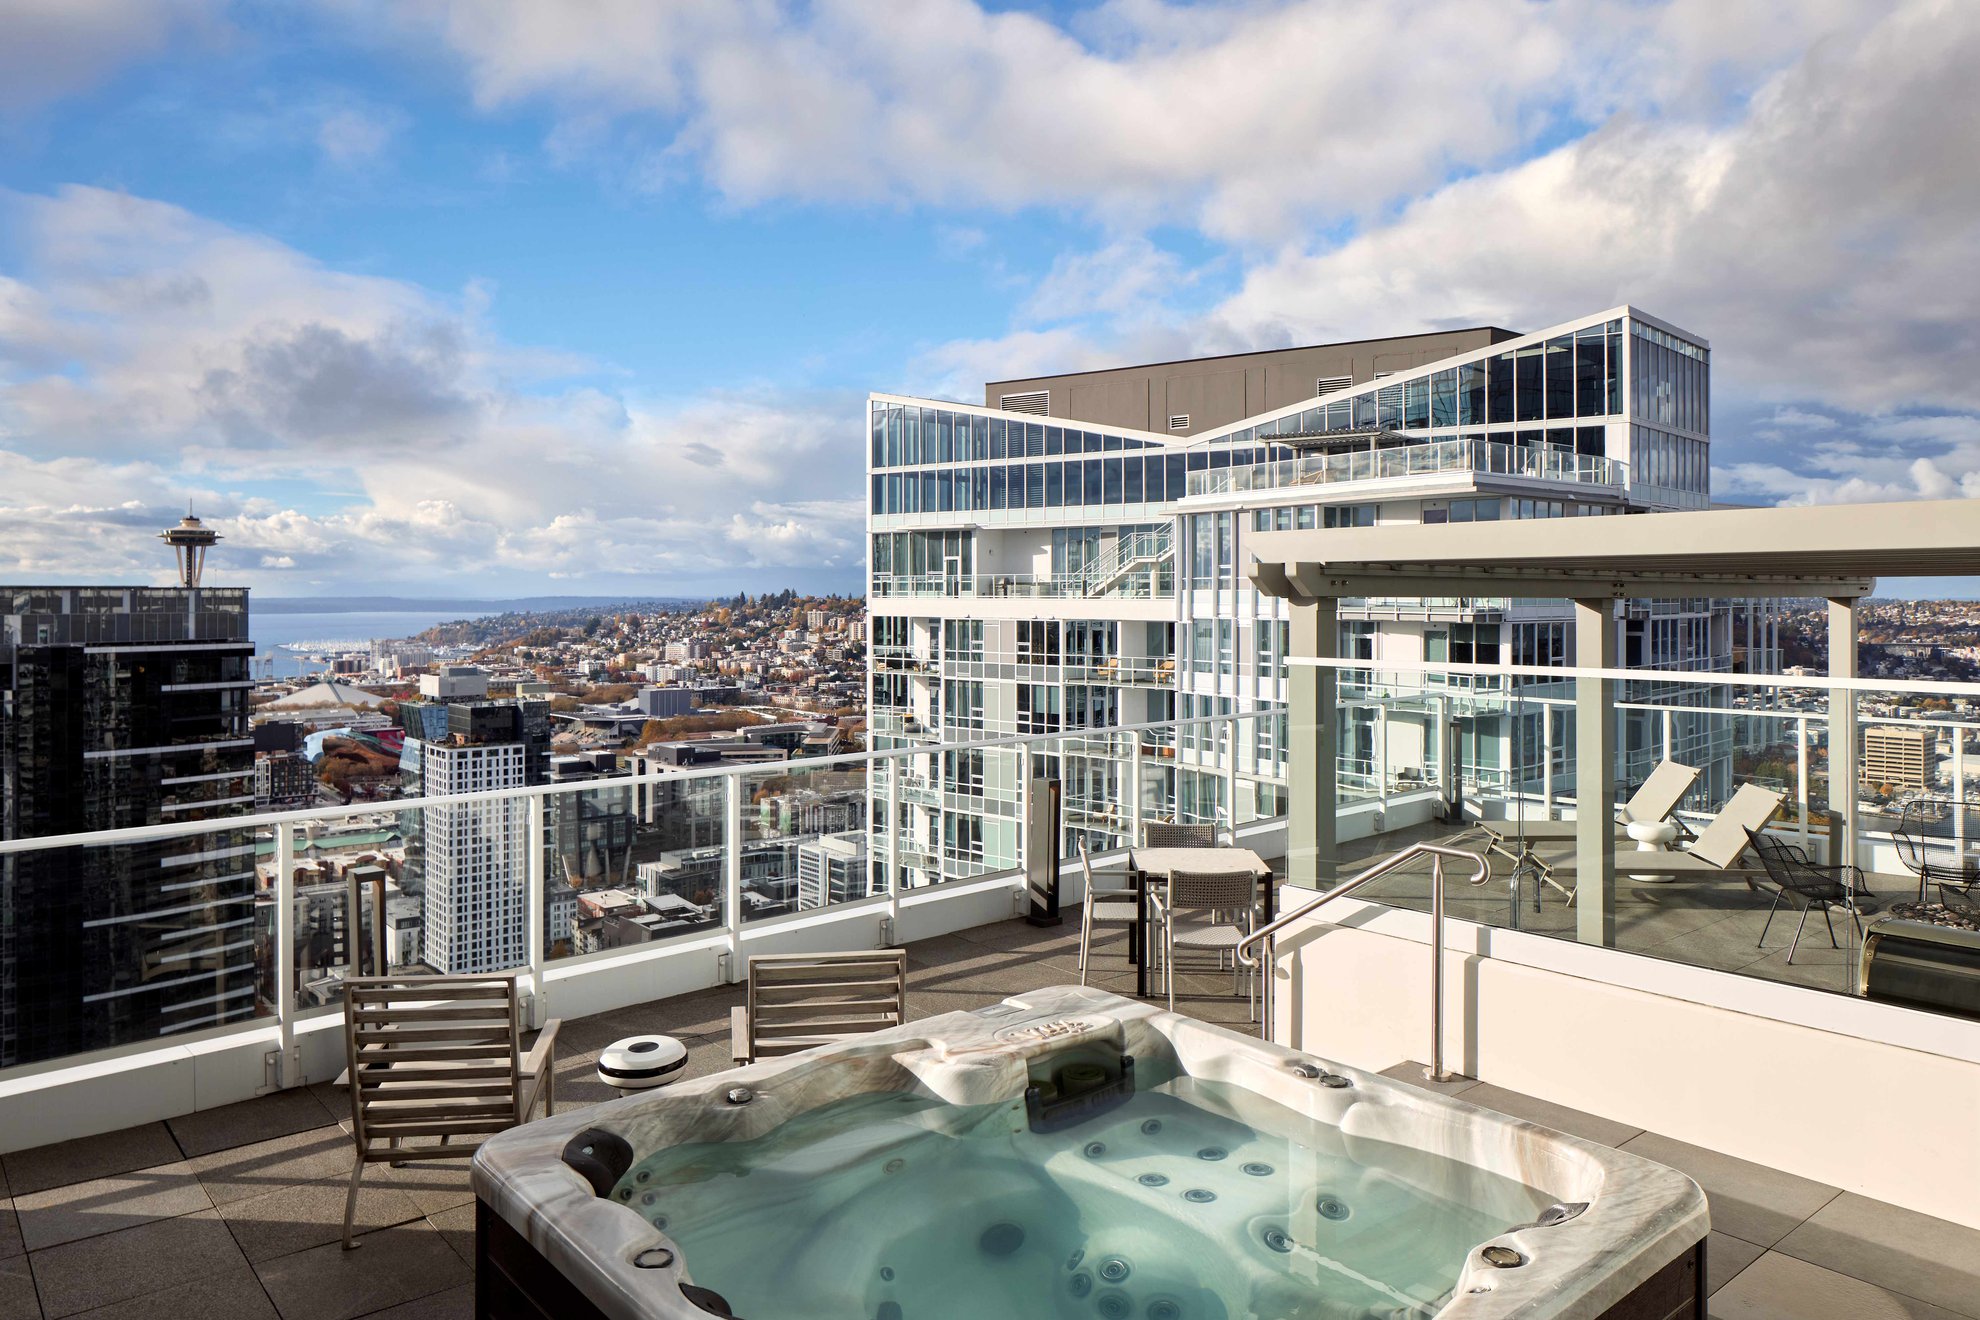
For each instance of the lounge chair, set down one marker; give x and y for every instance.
(1721, 846)
(799, 1000)
(437, 1056)
(1654, 800)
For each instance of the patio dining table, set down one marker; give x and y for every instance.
(1158, 864)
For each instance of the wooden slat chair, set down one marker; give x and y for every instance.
(799, 1000)
(437, 1056)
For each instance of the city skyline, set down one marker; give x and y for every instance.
(407, 304)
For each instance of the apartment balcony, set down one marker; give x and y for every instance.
(1437, 458)
(1148, 585)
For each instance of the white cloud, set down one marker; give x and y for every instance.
(352, 134)
(1246, 120)
(55, 48)
(160, 356)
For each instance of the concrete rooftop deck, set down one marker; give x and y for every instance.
(236, 1212)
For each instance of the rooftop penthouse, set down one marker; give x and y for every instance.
(1639, 973)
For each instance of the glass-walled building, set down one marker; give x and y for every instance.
(1037, 574)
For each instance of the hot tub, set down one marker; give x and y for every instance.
(1071, 1155)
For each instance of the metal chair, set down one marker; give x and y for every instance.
(1799, 879)
(1206, 910)
(1937, 839)
(437, 1056)
(1099, 907)
(1166, 834)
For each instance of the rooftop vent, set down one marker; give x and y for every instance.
(1036, 402)
(1180, 422)
(1331, 385)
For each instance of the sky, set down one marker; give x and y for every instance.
(508, 297)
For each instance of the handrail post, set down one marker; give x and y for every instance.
(287, 1073)
(1437, 1073)
(732, 871)
(537, 894)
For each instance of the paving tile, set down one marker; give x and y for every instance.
(124, 1200)
(1924, 1257)
(310, 1214)
(117, 1267)
(1778, 1287)
(1725, 1257)
(1546, 1113)
(252, 1121)
(10, 1232)
(454, 1304)
(89, 1158)
(1412, 1072)
(232, 1293)
(1748, 1200)
(18, 1300)
(457, 1226)
(433, 1185)
(394, 1265)
(243, 1171)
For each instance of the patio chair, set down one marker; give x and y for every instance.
(1166, 834)
(437, 1056)
(1720, 847)
(1655, 799)
(1796, 878)
(796, 1001)
(1205, 910)
(1938, 841)
(1099, 907)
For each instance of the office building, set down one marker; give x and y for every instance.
(1900, 757)
(1072, 556)
(123, 706)
(831, 869)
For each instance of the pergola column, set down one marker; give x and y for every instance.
(1311, 763)
(1595, 773)
(1842, 727)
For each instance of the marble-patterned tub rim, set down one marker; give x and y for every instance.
(1640, 1215)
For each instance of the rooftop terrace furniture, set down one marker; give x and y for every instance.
(1800, 880)
(799, 1000)
(437, 1056)
(1204, 910)
(1165, 834)
(1654, 800)
(1938, 841)
(1100, 907)
(1721, 846)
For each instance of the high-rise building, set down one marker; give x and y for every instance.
(469, 862)
(124, 706)
(831, 869)
(1072, 556)
(1899, 756)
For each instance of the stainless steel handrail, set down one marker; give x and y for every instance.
(1481, 871)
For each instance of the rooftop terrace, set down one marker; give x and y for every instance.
(235, 1212)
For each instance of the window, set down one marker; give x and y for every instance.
(1035, 402)
(1331, 385)
(1416, 402)
(1529, 370)
(1499, 390)
(1560, 376)
(1444, 398)
(1180, 422)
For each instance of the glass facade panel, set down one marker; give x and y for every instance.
(1499, 389)
(1560, 377)
(1529, 368)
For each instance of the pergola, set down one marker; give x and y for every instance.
(1834, 552)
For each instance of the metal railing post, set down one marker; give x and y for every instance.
(1547, 761)
(893, 765)
(1133, 790)
(1801, 775)
(732, 872)
(288, 1071)
(1231, 775)
(536, 886)
(1437, 1073)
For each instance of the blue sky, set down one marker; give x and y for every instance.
(505, 297)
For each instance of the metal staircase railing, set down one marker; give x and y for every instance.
(1128, 553)
(1267, 935)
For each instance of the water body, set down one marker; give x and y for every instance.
(272, 632)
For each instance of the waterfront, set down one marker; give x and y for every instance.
(272, 631)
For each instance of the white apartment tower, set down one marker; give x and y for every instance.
(476, 887)
(1073, 556)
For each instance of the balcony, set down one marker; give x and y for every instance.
(1474, 458)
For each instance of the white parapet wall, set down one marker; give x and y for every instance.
(1868, 1097)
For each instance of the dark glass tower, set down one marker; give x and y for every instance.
(123, 706)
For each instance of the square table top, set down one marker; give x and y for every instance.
(1164, 861)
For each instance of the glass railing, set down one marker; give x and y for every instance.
(261, 919)
(1475, 457)
(1135, 580)
(1496, 748)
